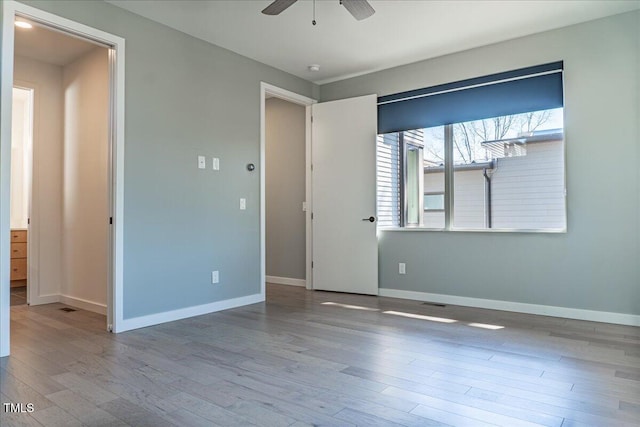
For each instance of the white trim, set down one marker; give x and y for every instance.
(518, 307)
(266, 88)
(9, 10)
(183, 313)
(43, 299)
(287, 281)
(84, 304)
(308, 188)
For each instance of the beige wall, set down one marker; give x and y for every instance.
(85, 179)
(46, 211)
(20, 158)
(285, 185)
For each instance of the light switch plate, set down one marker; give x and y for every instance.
(243, 204)
(202, 162)
(216, 164)
(402, 268)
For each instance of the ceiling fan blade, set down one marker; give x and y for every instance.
(360, 9)
(277, 7)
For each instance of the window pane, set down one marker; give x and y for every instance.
(433, 202)
(434, 174)
(509, 172)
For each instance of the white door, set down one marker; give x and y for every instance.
(345, 246)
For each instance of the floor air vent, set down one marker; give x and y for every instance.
(67, 309)
(435, 304)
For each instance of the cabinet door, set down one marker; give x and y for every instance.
(18, 236)
(19, 269)
(18, 250)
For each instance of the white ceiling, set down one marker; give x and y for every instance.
(49, 46)
(400, 32)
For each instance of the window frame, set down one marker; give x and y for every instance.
(405, 147)
(449, 194)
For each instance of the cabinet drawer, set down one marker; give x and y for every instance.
(19, 236)
(19, 269)
(18, 250)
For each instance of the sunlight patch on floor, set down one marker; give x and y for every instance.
(486, 326)
(349, 306)
(420, 316)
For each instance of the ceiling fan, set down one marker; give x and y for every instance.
(360, 9)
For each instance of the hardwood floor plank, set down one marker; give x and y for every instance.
(480, 415)
(19, 392)
(42, 384)
(55, 416)
(360, 418)
(134, 415)
(208, 410)
(183, 417)
(82, 409)
(96, 395)
(610, 418)
(449, 418)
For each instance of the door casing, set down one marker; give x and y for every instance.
(266, 90)
(116, 44)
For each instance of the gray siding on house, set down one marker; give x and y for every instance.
(469, 206)
(528, 191)
(594, 265)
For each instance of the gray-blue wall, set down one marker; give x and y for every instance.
(596, 264)
(184, 98)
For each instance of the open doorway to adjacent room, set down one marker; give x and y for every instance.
(286, 204)
(61, 188)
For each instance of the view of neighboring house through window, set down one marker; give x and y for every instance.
(501, 172)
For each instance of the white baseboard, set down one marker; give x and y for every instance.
(286, 281)
(84, 304)
(43, 299)
(183, 313)
(543, 310)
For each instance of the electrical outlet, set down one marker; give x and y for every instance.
(243, 204)
(215, 277)
(202, 162)
(402, 268)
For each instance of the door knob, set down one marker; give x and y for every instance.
(370, 219)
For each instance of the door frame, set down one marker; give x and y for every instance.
(265, 90)
(11, 10)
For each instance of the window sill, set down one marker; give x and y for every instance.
(475, 230)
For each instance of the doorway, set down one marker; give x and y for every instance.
(67, 174)
(20, 193)
(285, 202)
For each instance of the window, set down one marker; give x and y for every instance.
(434, 201)
(496, 172)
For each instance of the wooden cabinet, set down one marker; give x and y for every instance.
(18, 257)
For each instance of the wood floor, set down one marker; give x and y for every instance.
(318, 358)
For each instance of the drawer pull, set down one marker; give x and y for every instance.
(15, 269)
